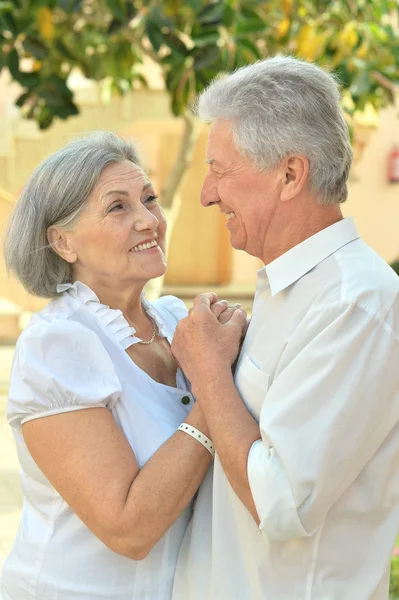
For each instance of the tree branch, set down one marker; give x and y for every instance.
(183, 159)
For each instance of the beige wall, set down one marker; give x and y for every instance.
(9, 287)
(372, 201)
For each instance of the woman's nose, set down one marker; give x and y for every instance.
(146, 220)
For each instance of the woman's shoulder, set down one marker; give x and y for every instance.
(59, 365)
(54, 319)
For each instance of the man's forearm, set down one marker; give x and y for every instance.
(233, 430)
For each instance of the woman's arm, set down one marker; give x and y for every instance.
(90, 463)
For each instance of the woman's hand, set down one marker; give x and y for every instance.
(223, 311)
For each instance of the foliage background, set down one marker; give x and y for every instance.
(193, 41)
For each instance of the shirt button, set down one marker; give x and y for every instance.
(185, 400)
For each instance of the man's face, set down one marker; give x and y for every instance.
(249, 198)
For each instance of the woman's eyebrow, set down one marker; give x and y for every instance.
(124, 192)
(121, 192)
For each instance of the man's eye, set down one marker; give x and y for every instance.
(151, 199)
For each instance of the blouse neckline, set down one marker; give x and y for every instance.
(112, 319)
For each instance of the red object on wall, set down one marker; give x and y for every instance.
(393, 165)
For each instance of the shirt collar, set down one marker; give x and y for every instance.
(299, 260)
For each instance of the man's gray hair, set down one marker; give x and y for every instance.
(281, 106)
(56, 194)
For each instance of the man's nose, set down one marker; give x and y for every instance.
(209, 193)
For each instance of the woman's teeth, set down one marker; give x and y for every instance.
(230, 215)
(144, 246)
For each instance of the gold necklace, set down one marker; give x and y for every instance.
(154, 332)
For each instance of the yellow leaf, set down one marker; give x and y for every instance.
(45, 23)
(311, 45)
(286, 7)
(303, 40)
(348, 37)
(283, 28)
(367, 117)
(362, 51)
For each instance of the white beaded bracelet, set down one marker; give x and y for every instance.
(199, 436)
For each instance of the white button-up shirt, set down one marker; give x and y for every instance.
(319, 370)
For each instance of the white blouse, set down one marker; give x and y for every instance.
(72, 356)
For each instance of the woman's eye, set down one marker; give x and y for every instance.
(116, 207)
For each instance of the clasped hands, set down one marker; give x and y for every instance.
(209, 339)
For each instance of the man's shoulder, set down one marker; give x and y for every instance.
(365, 278)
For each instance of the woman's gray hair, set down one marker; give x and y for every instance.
(281, 106)
(55, 194)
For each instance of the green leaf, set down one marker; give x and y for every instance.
(13, 63)
(248, 49)
(66, 52)
(117, 8)
(205, 37)
(175, 44)
(22, 99)
(30, 80)
(154, 35)
(229, 16)
(195, 5)
(208, 56)
(173, 78)
(70, 6)
(45, 117)
(249, 21)
(360, 85)
(131, 10)
(211, 14)
(35, 47)
(34, 5)
(7, 23)
(5, 7)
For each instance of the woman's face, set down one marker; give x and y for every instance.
(120, 235)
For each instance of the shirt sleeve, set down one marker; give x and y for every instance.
(59, 367)
(325, 415)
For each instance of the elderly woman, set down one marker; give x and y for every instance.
(96, 398)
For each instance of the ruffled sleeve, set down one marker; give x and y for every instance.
(59, 366)
(173, 306)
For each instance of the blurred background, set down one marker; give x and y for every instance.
(135, 67)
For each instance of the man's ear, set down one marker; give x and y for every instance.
(296, 175)
(61, 243)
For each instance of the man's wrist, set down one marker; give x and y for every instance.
(204, 387)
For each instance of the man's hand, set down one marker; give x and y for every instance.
(202, 345)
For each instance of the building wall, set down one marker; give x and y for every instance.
(373, 202)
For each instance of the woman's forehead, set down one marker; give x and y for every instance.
(125, 173)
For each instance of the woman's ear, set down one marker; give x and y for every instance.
(61, 243)
(296, 176)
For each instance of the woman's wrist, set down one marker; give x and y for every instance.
(197, 419)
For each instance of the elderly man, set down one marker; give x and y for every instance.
(303, 501)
